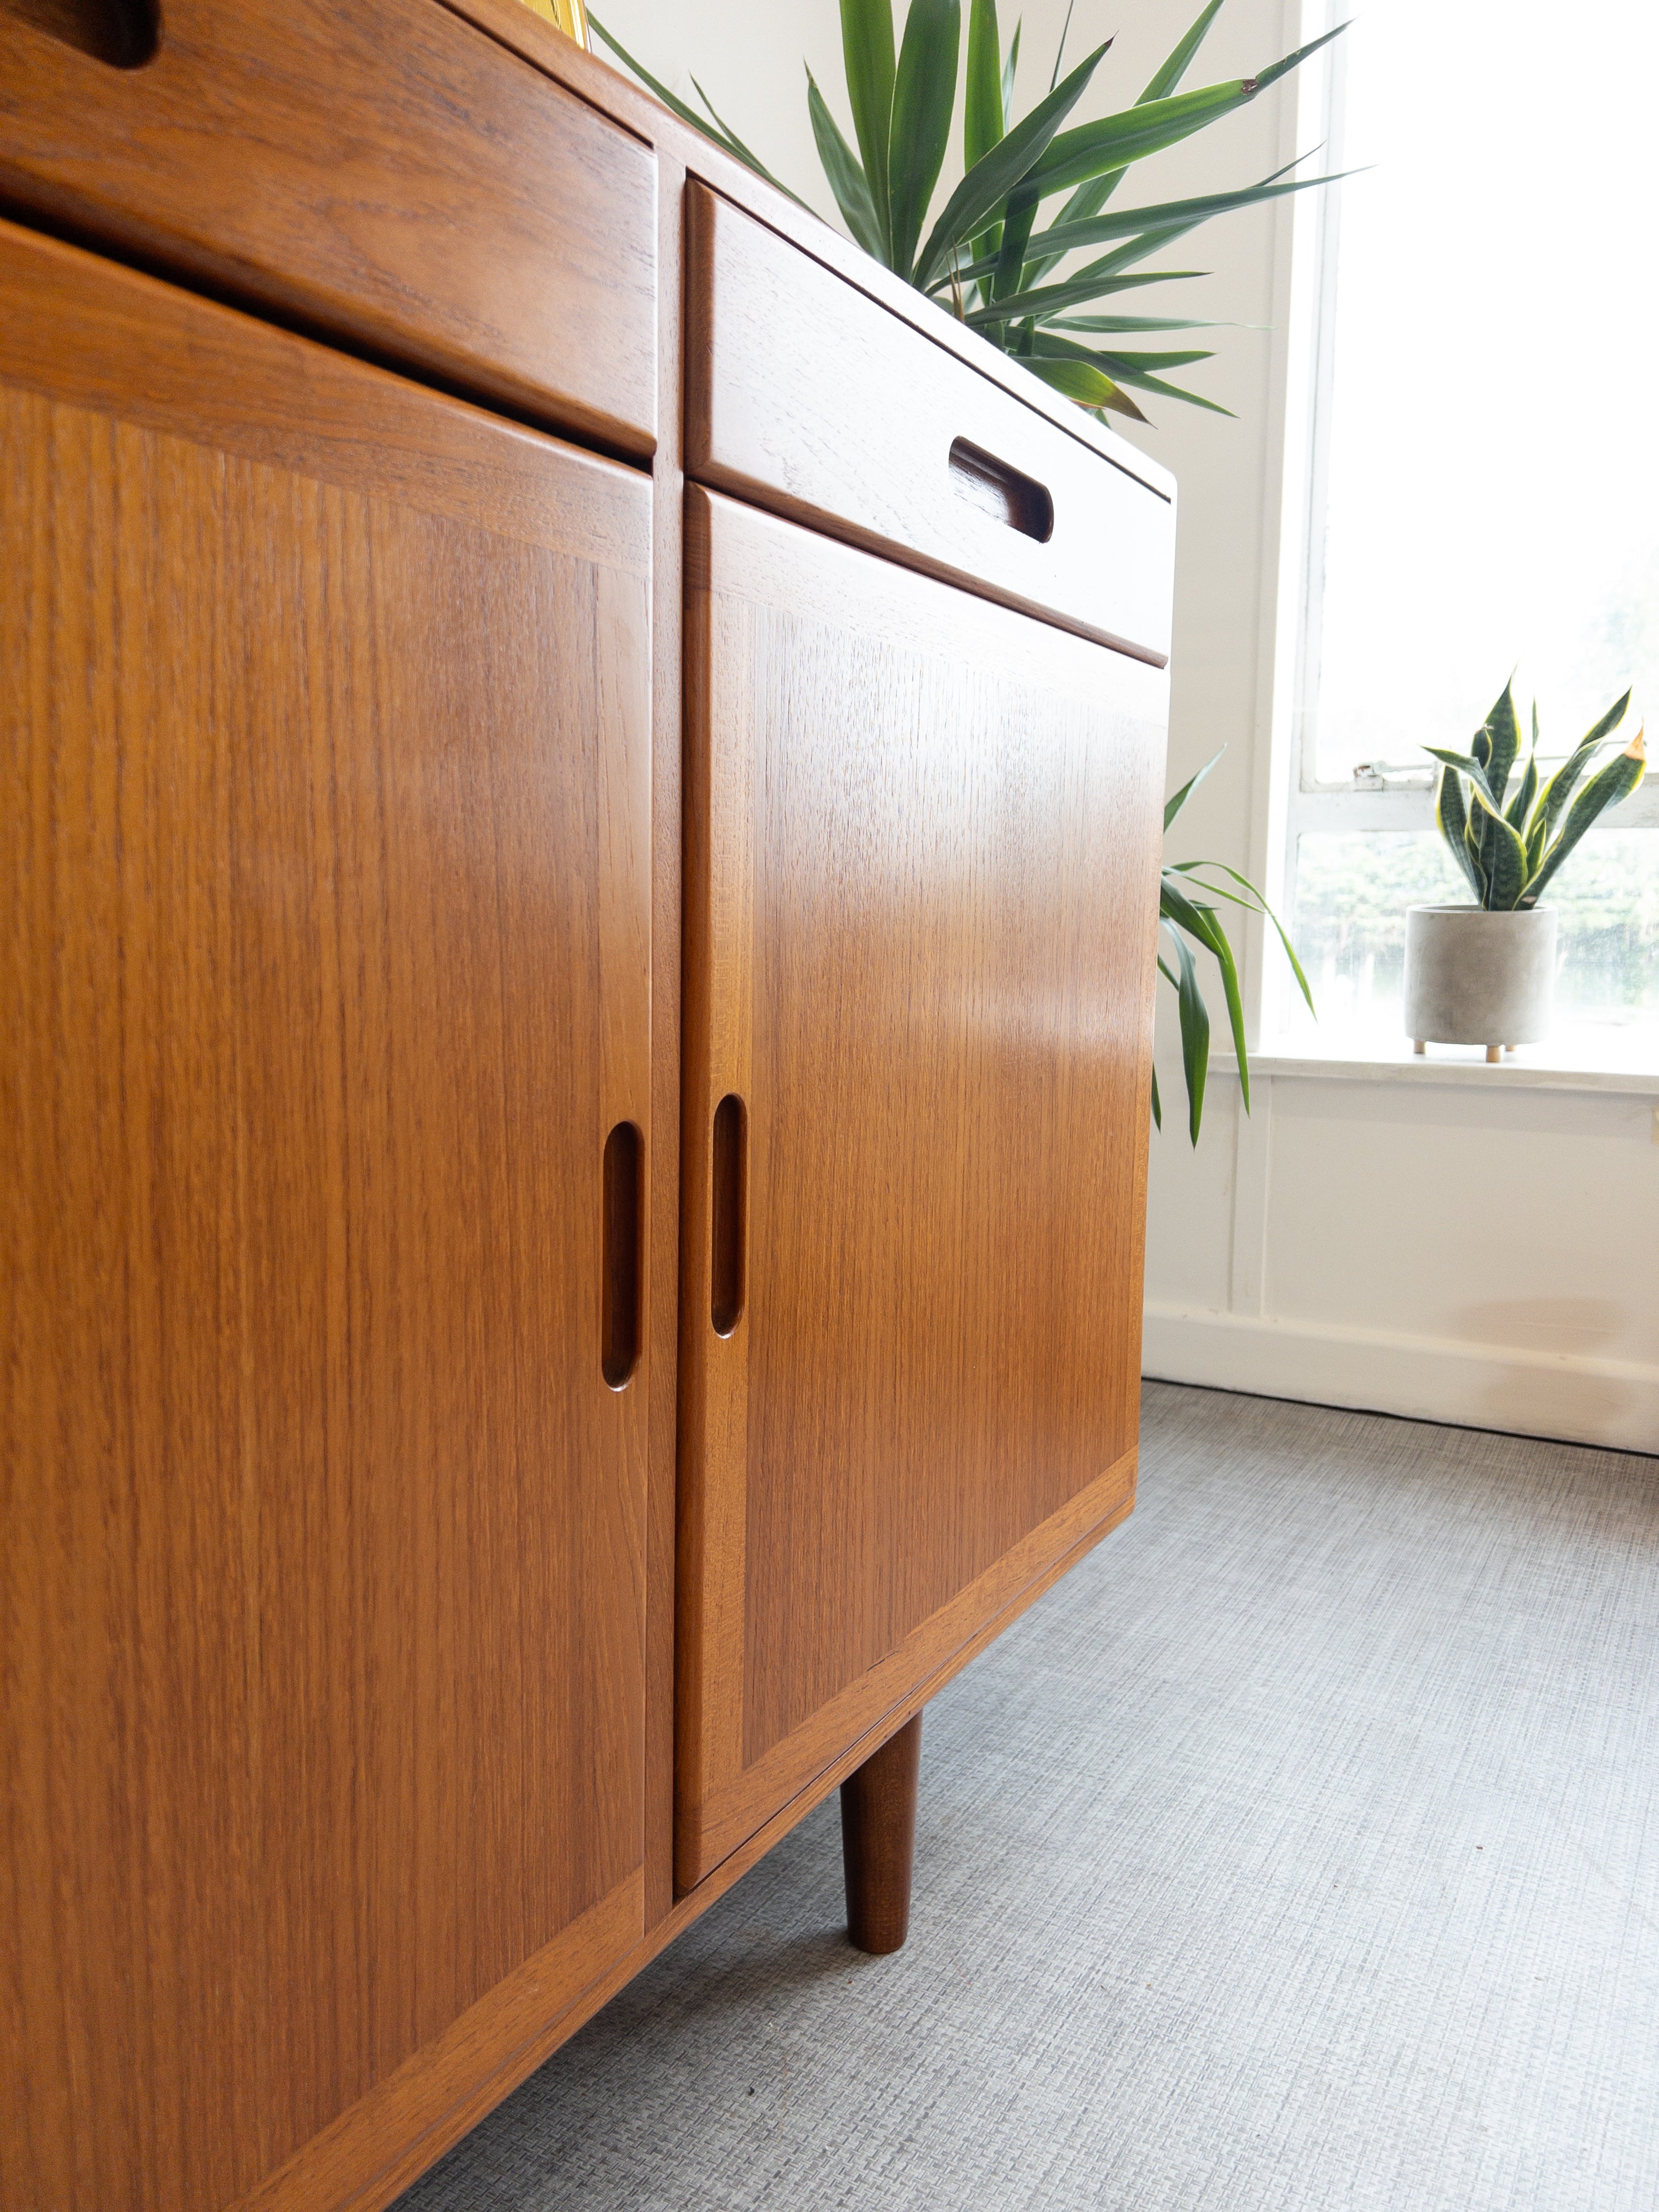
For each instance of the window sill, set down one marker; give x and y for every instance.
(1571, 1063)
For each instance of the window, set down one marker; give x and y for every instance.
(1482, 490)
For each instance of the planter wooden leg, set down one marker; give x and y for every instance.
(1494, 1053)
(1418, 1045)
(877, 1841)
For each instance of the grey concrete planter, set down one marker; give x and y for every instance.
(1473, 977)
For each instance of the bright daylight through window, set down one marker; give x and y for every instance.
(1484, 486)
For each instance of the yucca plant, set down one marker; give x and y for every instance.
(1508, 844)
(984, 257)
(1186, 909)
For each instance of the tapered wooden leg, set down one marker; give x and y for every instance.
(878, 1841)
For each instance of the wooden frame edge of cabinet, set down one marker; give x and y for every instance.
(346, 2170)
(668, 862)
(533, 39)
(1116, 1483)
(370, 2154)
(693, 511)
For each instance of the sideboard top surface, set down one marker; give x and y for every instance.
(526, 34)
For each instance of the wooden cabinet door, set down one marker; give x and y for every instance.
(921, 866)
(324, 982)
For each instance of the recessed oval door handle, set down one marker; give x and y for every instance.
(1005, 493)
(619, 1319)
(122, 33)
(729, 1258)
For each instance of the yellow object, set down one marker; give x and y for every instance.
(570, 16)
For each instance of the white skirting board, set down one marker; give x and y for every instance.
(1613, 1403)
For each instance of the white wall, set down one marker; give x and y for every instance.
(1463, 1253)
(1485, 1255)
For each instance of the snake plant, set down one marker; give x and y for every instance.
(983, 257)
(1508, 842)
(1186, 909)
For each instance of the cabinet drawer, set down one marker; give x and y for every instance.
(807, 396)
(374, 169)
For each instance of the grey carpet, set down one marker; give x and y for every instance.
(1296, 1851)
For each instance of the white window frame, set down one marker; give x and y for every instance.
(1401, 797)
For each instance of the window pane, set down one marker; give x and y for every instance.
(1351, 892)
(1493, 442)
(1352, 888)
(1606, 900)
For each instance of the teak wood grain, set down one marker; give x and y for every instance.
(806, 397)
(922, 851)
(326, 939)
(381, 223)
(378, 169)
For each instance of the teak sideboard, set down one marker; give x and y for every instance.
(580, 851)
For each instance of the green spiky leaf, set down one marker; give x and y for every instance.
(847, 179)
(1451, 817)
(1251, 898)
(1160, 222)
(1472, 835)
(1537, 840)
(1503, 856)
(1165, 80)
(1123, 368)
(713, 131)
(1468, 765)
(1173, 806)
(1131, 325)
(1089, 198)
(993, 177)
(1560, 788)
(1605, 788)
(1503, 734)
(1115, 140)
(984, 116)
(1090, 386)
(1194, 1035)
(866, 45)
(924, 94)
(1519, 809)
(1202, 924)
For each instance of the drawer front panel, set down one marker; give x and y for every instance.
(374, 169)
(805, 396)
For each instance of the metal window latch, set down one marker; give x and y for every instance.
(1392, 776)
